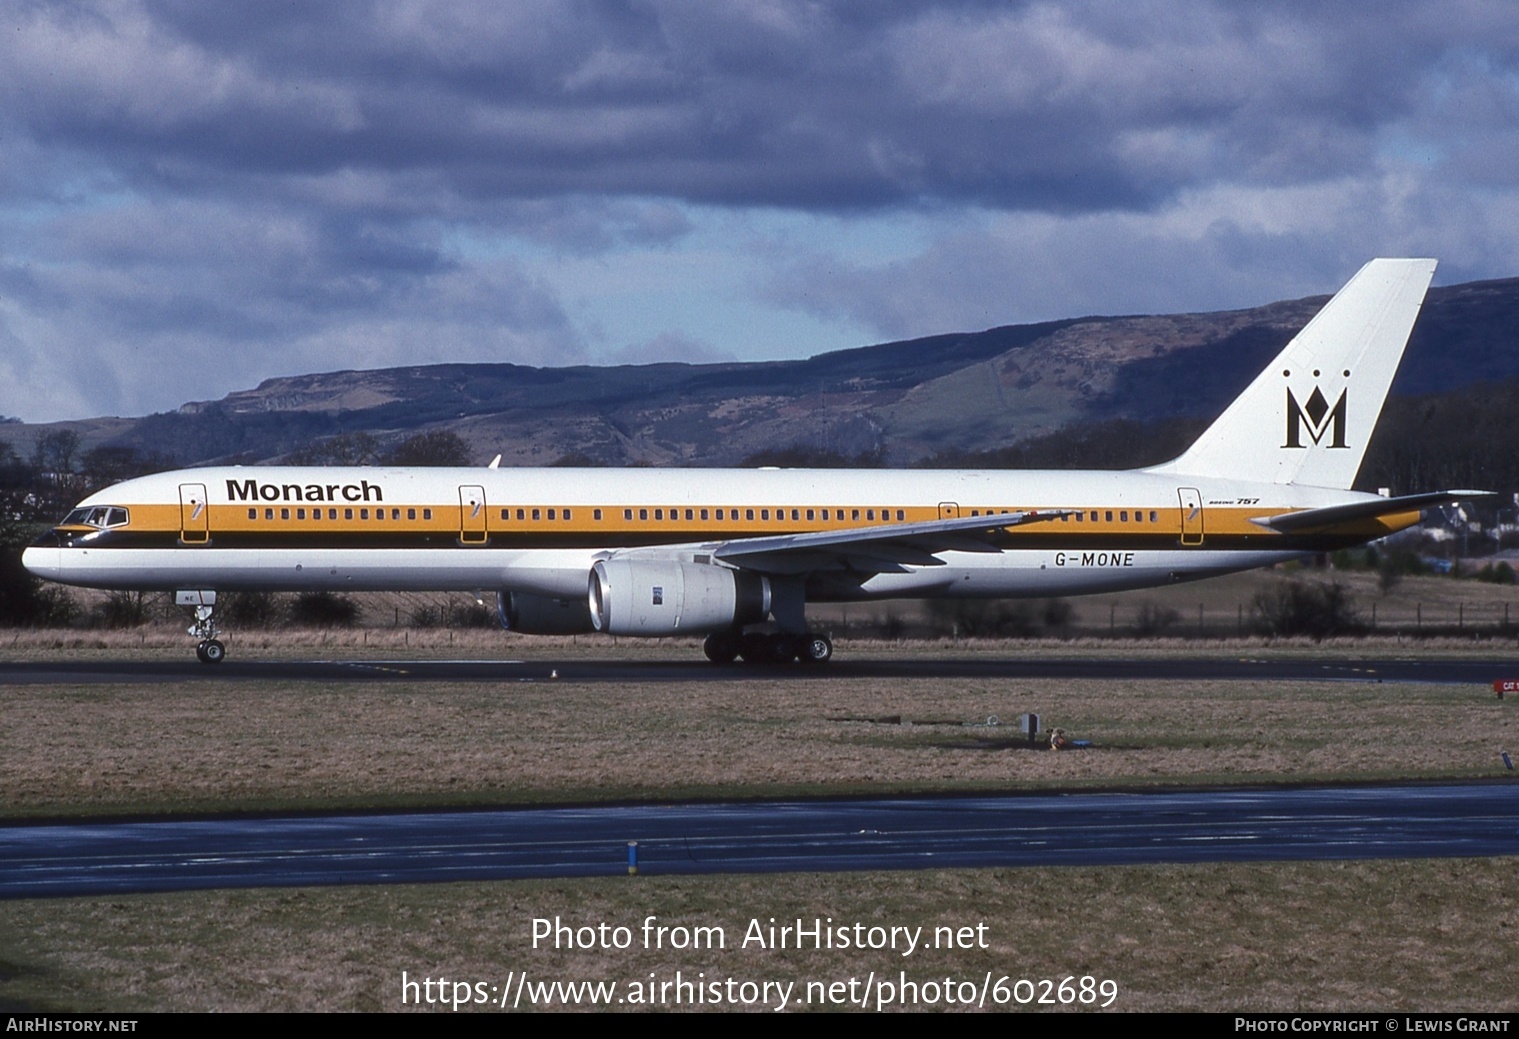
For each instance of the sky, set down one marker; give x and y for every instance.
(198, 196)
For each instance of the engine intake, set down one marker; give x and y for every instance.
(638, 597)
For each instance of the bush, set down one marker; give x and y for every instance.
(1502, 573)
(324, 610)
(1315, 610)
(472, 615)
(123, 610)
(250, 609)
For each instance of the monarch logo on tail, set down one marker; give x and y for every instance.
(1318, 418)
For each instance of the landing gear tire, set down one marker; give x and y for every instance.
(211, 651)
(721, 647)
(784, 648)
(754, 647)
(816, 649)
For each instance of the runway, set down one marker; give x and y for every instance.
(1228, 669)
(1411, 821)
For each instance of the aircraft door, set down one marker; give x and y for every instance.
(1191, 516)
(949, 510)
(194, 514)
(472, 515)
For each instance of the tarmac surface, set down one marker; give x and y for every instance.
(1408, 821)
(1427, 820)
(1452, 671)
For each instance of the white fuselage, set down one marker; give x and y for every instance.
(541, 530)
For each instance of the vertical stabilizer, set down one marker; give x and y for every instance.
(1307, 418)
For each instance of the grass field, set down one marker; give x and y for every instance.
(1400, 935)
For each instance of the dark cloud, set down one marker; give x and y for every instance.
(194, 195)
(1028, 106)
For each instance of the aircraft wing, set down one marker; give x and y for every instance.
(884, 549)
(1335, 515)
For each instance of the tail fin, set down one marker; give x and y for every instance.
(1307, 418)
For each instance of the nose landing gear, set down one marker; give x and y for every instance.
(211, 650)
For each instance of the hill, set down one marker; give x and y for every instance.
(953, 395)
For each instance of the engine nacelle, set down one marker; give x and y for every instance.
(642, 597)
(542, 614)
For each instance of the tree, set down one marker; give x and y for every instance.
(54, 452)
(1316, 610)
(343, 449)
(435, 447)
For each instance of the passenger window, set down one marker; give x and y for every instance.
(552, 514)
(596, 514)
(411, 514)
(764, 514)
(1123, 517)
(253, 514)
(268, 514)
(316, 514)
(643, 514)
(1153, 518)
(284, 514)
(705, 514)
(748, 514)
(300, 513)
(427, 514)
(537, 514)
(566, 513)
(1108, 515)
(809, 515)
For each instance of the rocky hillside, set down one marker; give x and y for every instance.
(901, 401)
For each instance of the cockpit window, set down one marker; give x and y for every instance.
(99, 516)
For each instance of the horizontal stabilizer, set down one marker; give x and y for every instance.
(1335, 515)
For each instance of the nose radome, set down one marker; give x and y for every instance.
(42, 561)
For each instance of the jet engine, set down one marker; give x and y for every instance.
(542, 614)
(643, 597)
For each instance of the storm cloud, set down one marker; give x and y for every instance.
(196, 196)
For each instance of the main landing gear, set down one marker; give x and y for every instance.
(758, 647)
(211, 650)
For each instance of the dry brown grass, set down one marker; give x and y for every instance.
(258, 746)
(1425, 935)
(1376, 936)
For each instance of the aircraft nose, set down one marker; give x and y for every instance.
(44, 562)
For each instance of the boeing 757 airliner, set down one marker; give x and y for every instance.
(735, 555)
